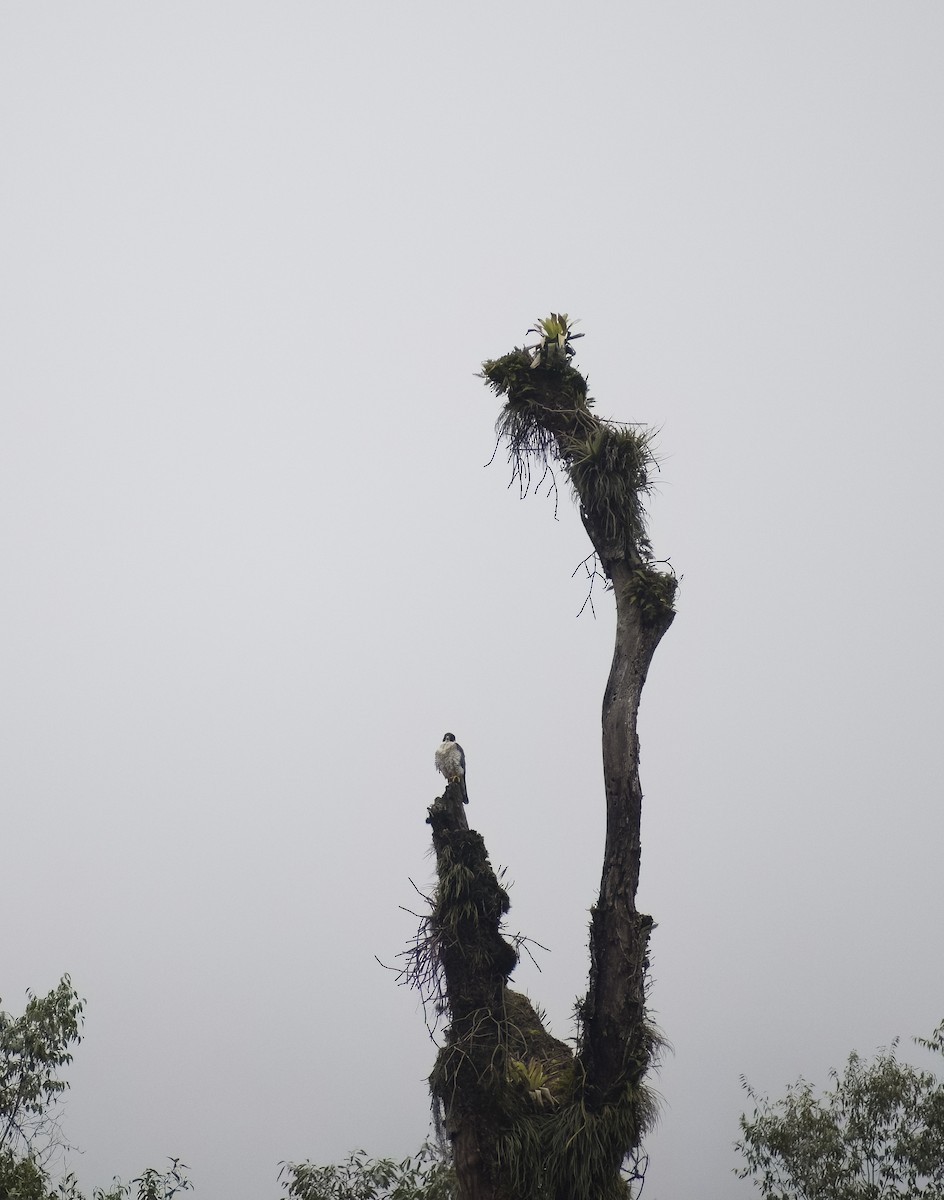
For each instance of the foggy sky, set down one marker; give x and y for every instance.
(253, 256)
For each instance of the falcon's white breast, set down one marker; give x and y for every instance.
(450, 759)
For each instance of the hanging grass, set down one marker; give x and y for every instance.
(528, 1087)
(572, 1151)
(547, 422)
(545, 408)
(610, 472)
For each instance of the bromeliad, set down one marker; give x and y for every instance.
(556, 334)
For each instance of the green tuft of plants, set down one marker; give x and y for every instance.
(610, 471)
(547, 422)
(571, 1150)
(653, 593)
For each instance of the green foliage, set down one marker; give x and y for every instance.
(426, 1176)
(653, 593)
(151, 1184)
(21, 1178)
(467, 910)
(529, 1089)
(532, 1078)
(556, 333)
(25, 1179)
(877, 1132)
(610, 473)
(547, 423)
(568, 1147)
(575, 1151)
(33, 1048)
(544, 411)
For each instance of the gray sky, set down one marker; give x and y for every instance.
(252, 256)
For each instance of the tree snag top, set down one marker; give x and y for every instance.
(548, 422)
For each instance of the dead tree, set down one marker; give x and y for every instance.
(528, 1117)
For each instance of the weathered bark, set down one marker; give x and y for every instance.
(468, 1158)
(616, 1047)
(494, 1034)
(476, 962)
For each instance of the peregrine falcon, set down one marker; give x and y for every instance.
(450, 760)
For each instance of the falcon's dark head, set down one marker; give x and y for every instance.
(449, 737)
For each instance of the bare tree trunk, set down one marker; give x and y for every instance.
(616, 1047)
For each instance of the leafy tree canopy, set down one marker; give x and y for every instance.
(34, 1047)
(425, 1176)
(877, 1133)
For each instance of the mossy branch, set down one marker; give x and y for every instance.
(547, 423)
